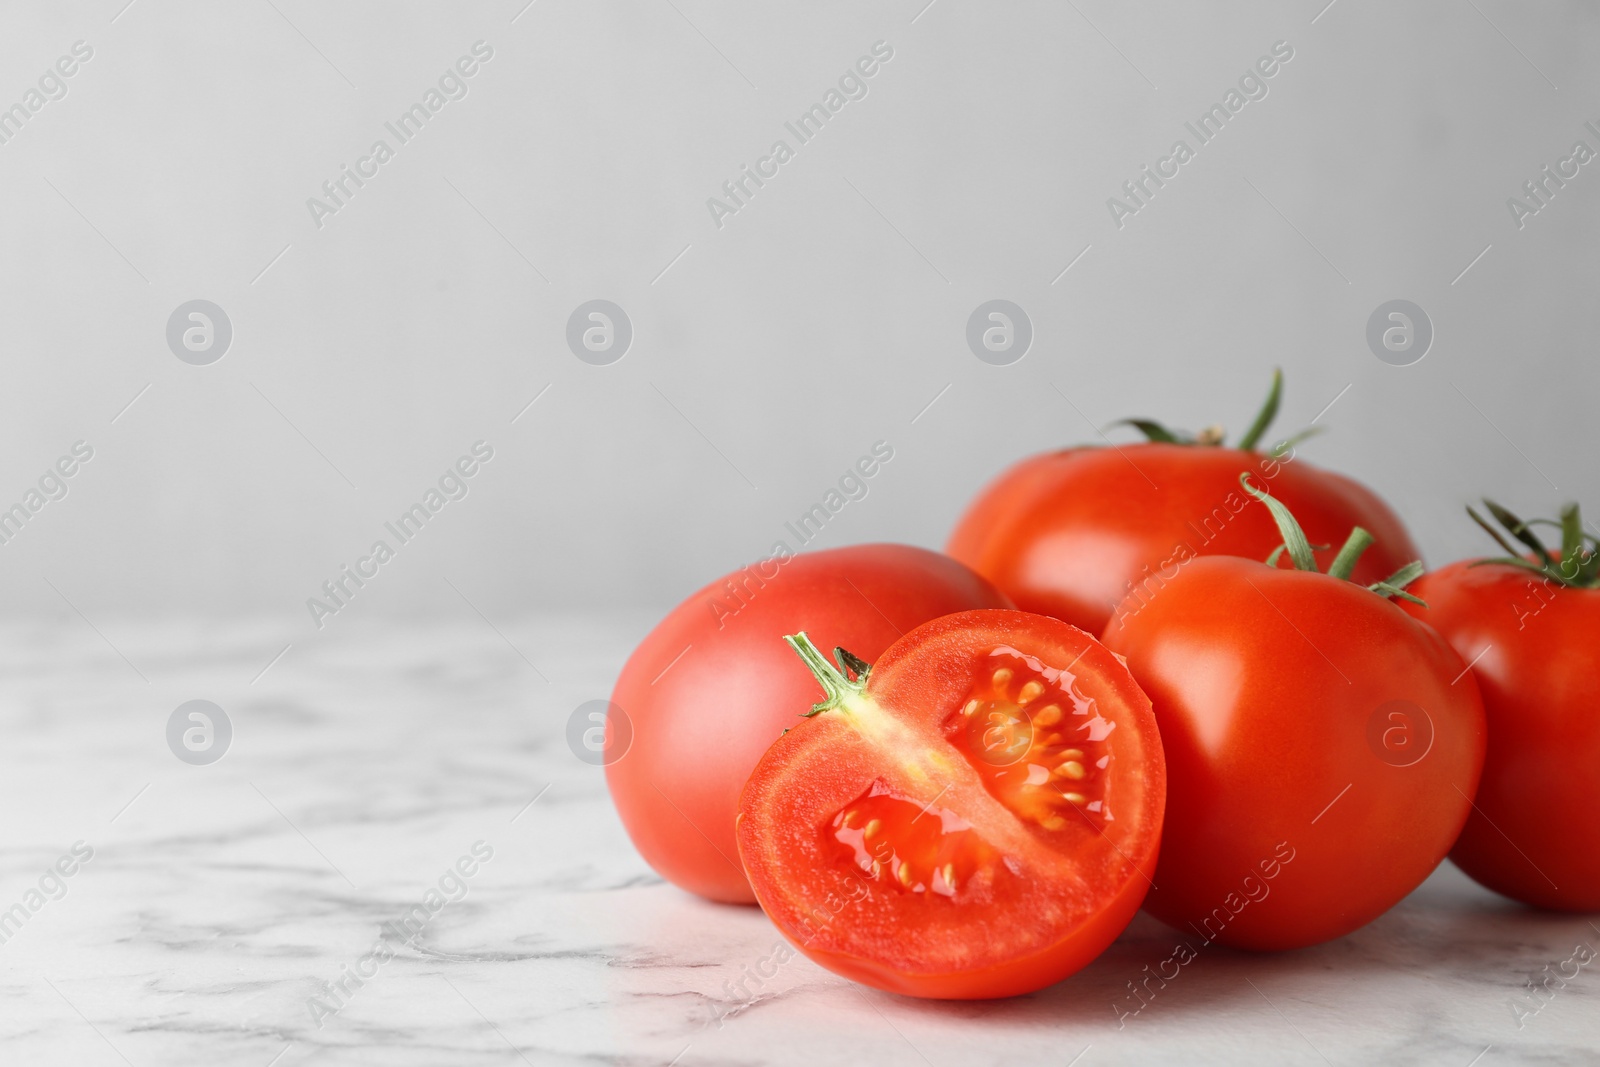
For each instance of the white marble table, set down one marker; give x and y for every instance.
(372, 756)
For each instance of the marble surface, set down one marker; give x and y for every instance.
(369, 759)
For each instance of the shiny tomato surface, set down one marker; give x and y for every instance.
(1535, 832)
(713, 685)
(980, 820)
(1322, 750)
(1071, 533)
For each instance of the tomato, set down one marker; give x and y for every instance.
(1071, 533)
(713, 685)
(1530, 632)
(1322, 745)
(975, 816)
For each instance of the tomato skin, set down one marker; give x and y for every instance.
(1535, 833)
(700, 727)
(1065, 533)
(866, 933)
(1266, 684)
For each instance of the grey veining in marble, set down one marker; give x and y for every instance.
(222, 901)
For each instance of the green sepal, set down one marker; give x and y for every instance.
(1395, 584)
(1288, 443)
(1577, 566)
(1344, 564)
(1155, 432)
(1213, 435)
(1275, 554)
(1384, 589)
(851, 664)
(1264, 417)
(1520, 530)
(1294, 538)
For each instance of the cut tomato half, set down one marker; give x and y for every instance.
(975, 815)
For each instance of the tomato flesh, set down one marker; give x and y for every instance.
(950, 832)
(881, 837)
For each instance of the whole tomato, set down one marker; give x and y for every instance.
(714, 685)
(1530, 626)
(1071, 533)
(1322, 745)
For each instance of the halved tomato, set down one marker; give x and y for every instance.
(976, 815)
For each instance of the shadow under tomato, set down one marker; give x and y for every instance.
(1448, 929)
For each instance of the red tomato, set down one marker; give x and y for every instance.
(1534, 833)
(1071, 533)
(979, 819)
(1322, 748)
(713, 685)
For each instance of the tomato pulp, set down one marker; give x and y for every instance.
(1322, 748)
(712, 686)
(1534, 832)
(979, 819)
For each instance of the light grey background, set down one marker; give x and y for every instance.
(770, 353)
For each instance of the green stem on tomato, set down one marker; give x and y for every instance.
(1577, 567)
(1213, 435)
(1344, 564)
(836, 684)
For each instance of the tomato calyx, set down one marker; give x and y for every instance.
(1214, 436)
(845, 685)
(1577, 566)
(1344, 563)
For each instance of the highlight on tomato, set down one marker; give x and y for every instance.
(1323, 746)
(1529, 623)
(712, 686)
(977, 814)
(1071, 533)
